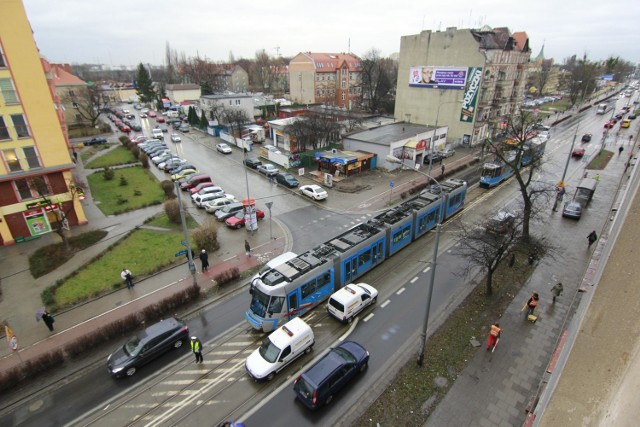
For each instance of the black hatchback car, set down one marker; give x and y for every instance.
(145, 346)
(252, 163)
(318, 384)
(287, 180)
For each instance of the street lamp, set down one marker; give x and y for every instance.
(268, 205)
(435, 132)
(432, 277)
(573, 143)
(192, 265)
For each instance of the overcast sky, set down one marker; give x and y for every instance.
(119, 32)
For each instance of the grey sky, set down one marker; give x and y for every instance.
(119, 32)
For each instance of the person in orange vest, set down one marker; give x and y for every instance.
(494, 336)
(532, 303)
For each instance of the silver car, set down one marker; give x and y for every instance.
(572, 209)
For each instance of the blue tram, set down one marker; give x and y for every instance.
(295, 287)
(496, 171)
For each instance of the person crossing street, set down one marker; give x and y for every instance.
(196, 348)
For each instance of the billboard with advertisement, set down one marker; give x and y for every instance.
(438, 77)
(470, 98)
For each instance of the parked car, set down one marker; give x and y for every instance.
(175, 137)
(252, 163)
(237, 220)
(319, 384)
(200, 187)
(95, 141)
(287, 180)
(500, 223)
(268, 169)
(223, 148)
(146, 345)
(578, 152)
(572, 210)
(586, 137)
(314, 191)
(211, 206)
(194, 180)
(447, 152)
(183, 174)
(205, 198)
(227, 211)
(207, 190)
(432, 158)
(181, 168)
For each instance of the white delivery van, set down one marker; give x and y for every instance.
(351, 300)
(282, 347)
(173, 114)
(279, 260)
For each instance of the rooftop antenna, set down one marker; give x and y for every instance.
(277, 48)
(349, 45)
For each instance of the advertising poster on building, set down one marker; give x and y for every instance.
(471, 94)
(438, 77)
(37, 222)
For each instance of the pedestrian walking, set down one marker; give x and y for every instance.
(127, 277)
(442, 171)
(247, 248)
(196, 348)
(531, 304)
(48, 320)
(494, 337)
(204, 258)
(597, 177)
(556, 291)
(592, 237)
(620, 150)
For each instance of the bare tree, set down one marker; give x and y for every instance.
(235, 118)
(88, 102)
(541, 77)
(579, 80)
(378, 81)
(313, 131)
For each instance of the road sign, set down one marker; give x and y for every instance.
(183, 243)
(392, 184)
(182, 252)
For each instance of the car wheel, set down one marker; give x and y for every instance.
(308, 349)
(349, 320)
(177, 344)
(329, 399)
(131, 371)
(270, 376)
(238, 227)
(363, 367)
(374, 300)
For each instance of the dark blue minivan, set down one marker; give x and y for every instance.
(318, 384)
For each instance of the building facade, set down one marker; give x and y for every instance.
(36, 160)
(326, 78)
(178, 93)
(69, 91)
(470, 80)
(227, 101)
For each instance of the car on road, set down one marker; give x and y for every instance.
(211, 206)
(446, 152)
(143, 115)
(268, 169)
(136, 127)
(318, 385)
(184, 128)
(500, 223)
(160, 119)
(229, 210)
(95, 141)
(433, 158)
(237, 221)
(350, 300)
(609, 124)
(252, 163)
(586, 137)
(632, 116)
(287, 180)
(175, 137)
(578, 152)
(146, 345)
(314, 191)
(151, 113)
(625, 123)
(183, 174)
(572, 210)
(223, 148)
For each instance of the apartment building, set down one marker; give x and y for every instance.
(69, 90)
(326, 78)
(34, 152)
(471, 80)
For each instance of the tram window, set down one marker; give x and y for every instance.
(293, 301)
(276, 305)
(323, 280)
(308, 288)
(401, 235)
(422, 224)
(365, 257)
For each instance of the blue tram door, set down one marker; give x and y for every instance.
(293, 304)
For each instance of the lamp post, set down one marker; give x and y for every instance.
(432, 277)
(435, 132)
(192, 265)
(566, 165)
(268, 205)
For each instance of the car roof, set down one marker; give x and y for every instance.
(161, 327)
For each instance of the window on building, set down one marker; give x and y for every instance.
(72, 94)
(4, 130)
(20, 125)
(344, 96)
(9, 93)
(32, 188)
(31, 156)
(344, 84)
(3, 63)
(11, 159)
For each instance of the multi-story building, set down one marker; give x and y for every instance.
(35, 156)
(69, 90)
(178, 93)
(470, 80)
(326, 78)
(231, 77)
(214, 105)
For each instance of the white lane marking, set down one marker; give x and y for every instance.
(384, 304)
(369, 316)
(426, 269)
(413, 280)
(400, 291)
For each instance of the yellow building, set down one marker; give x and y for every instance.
(35, 159)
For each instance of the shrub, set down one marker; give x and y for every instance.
(137, 192)
(108, 174)
(172, 209)
(206, 237)
(123, 181)
(144, 159)
(227, 276)
(121, 200)
(135, 150)
(124, 140)
(168, 187)
(9, 379)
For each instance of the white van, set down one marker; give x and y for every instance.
(173, 114)
(282, 347)
(157, 133)
(351, 300)
(279, 260)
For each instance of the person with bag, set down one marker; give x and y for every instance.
(592, 237)
(531, 304)
(127, 277)
(48, 320)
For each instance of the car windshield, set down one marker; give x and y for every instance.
(133, 346)
(269, 351)
(344, 354)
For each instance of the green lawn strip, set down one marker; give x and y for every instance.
(50, 257)
(448, 352)
(113, 198)
(143, 252)
(162, 221)
(118, 156)
(90, 151)
(600, 161)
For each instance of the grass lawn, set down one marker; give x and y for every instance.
(601, 160)
(142, 190)
(88, 152)
(118, 156)
(143, 252)
(163, 221)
